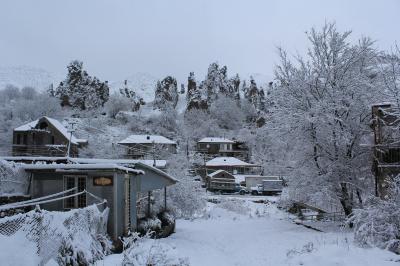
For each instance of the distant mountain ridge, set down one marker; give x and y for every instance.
(22, 76)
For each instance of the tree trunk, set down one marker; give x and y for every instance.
(345, 200)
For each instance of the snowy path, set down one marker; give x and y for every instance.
(264, 238)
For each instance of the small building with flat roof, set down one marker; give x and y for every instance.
(119, 185)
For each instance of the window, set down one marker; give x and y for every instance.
(71, 181)
(52, 140)
(18, 139)
(25, 139)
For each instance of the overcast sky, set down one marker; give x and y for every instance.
(115, 38)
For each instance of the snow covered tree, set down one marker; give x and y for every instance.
(166, 94)
(233, 87)
(9, 93)
(13, 179)
(28, 93)
(215, 82)
(227, 113)
(116, 104)
(80, 90)
(389, 70)
(323, 102)
(196, 98)
(254, 95)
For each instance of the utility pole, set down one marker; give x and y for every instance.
(187, 148)
(154, 154)
(70, 137)
(205, 168)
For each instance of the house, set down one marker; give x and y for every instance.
(147, 146)
(220, 180)
(122, 188)
(44, 137)
(215, 147)
(386, 146)
(232, 165)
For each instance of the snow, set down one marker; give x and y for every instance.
(143, 84)
(11, 252)
(216, 172)
(238, 231)
(227, 161)
(215, 140)
(56, 124)
(80, 167)
(27, 126)
(159, 163)
(146, 139)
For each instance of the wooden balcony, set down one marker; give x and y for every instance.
(41, 150)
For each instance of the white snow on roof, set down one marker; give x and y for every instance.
(56, 124)
(159, 163)
(81, 167)
(27, 126)
(144, 139)
(217, 172)
(215, 140)
(227, 161)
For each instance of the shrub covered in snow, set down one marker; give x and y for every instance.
(186, 199)
(151, 224)
(235, 205)
(144, 251)
(13, 180)
(378, 223)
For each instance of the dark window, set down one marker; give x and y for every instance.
(18, 139)
(52, 139)
(25, 139)
(81, 187)
(69, 182)
(43, 125)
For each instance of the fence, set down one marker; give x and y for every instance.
(75, 237)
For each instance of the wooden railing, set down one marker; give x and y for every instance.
(39, 150)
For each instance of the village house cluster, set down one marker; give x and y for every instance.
(49, 155)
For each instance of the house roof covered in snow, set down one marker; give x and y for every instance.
(146, 139)
(64, 167)
(228, 161)
(57, 125)
(45, 159)
(217, 172)
(215, 140)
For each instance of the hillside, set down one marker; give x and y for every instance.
(143, 84)
(21, 76)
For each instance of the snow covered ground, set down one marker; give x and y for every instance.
(237, 231)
